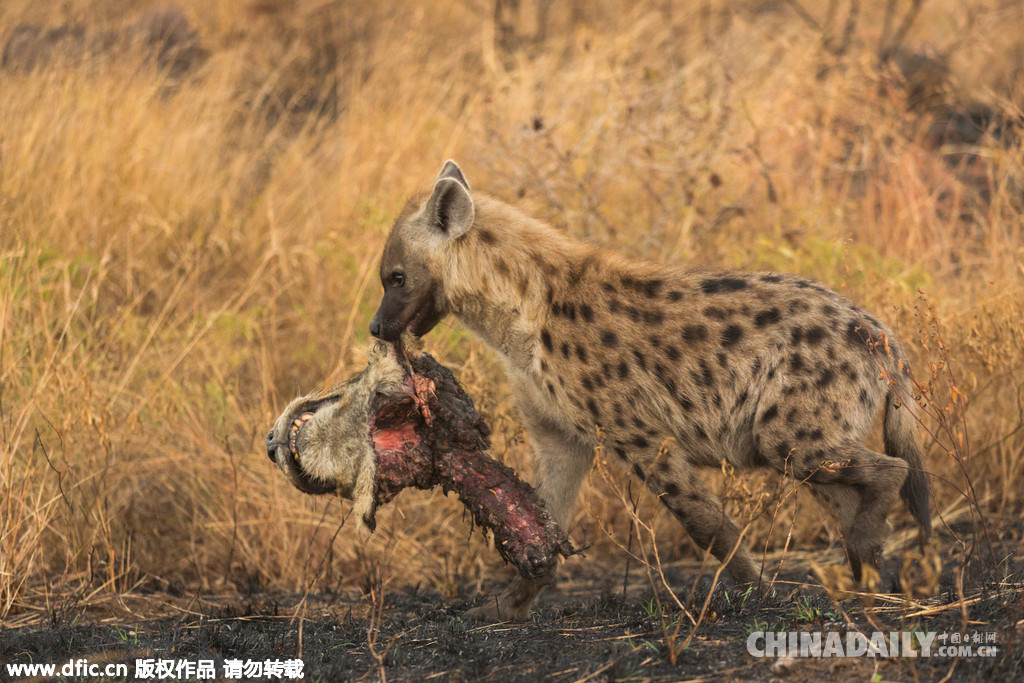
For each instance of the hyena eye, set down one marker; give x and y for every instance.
(397, 278)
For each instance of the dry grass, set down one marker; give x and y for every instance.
(178, 258)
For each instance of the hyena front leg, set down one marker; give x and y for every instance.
(562, 465)
(674, 481)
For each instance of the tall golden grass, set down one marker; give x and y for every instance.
(179, 257)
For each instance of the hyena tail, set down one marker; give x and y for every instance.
(900, 433)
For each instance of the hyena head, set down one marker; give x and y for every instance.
(411, 267)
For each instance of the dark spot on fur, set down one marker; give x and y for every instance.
(675, 295)
(756, 367)
(671, 489)
(663, 466)
(639, 472)
(791, 415)
(651, 287)
(587, 313)
(581, 353)
(815, 335)
(623, 369)
(638, 423)
(654, 317)
(797, 306)
(815, 435)
(796, 362)
(771, 278)
(731, 335)
(592, 407)
(551, 388)
(795, 335)
(722, 359)
(640, 442)
(685, 402)
(587, 384)
(639, 359)
(609, 339)
(545, 337)
(783, 450)
(825, 378)
(705, 372)
(695, 333)
(607, 286)
(722, 284)
(501, 266)
(770, 414)
(620, 452)
(742, 398)
(768, 317)
(829, 311)
(565, 349)
(858, 336)
(864, 397)
(672, 352)
(716, 313)
(700, 433)
(486, 236)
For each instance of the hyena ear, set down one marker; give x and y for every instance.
(452, 170)
(450, 209)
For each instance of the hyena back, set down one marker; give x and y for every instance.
(669, 368)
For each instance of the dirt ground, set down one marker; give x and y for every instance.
(588, 628)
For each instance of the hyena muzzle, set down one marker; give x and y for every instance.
(670, 368)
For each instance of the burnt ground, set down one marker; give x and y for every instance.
(586, 629)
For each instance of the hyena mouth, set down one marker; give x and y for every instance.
(291, 462)
(293, 434)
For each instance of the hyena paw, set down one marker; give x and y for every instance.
(495, 610)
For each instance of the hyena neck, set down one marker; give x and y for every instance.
(498, 277)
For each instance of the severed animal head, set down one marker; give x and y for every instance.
(321, 441)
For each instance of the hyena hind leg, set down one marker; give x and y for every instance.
(860, 487)
(701, 514)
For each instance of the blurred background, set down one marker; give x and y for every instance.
(194, 196)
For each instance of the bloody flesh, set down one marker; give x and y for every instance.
(451, 452)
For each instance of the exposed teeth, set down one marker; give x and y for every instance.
(294, 433)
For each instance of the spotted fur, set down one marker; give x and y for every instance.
(669, 368)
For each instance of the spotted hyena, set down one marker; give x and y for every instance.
(671, 368)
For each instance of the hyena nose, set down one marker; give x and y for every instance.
(271, 447)
(375, 327)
